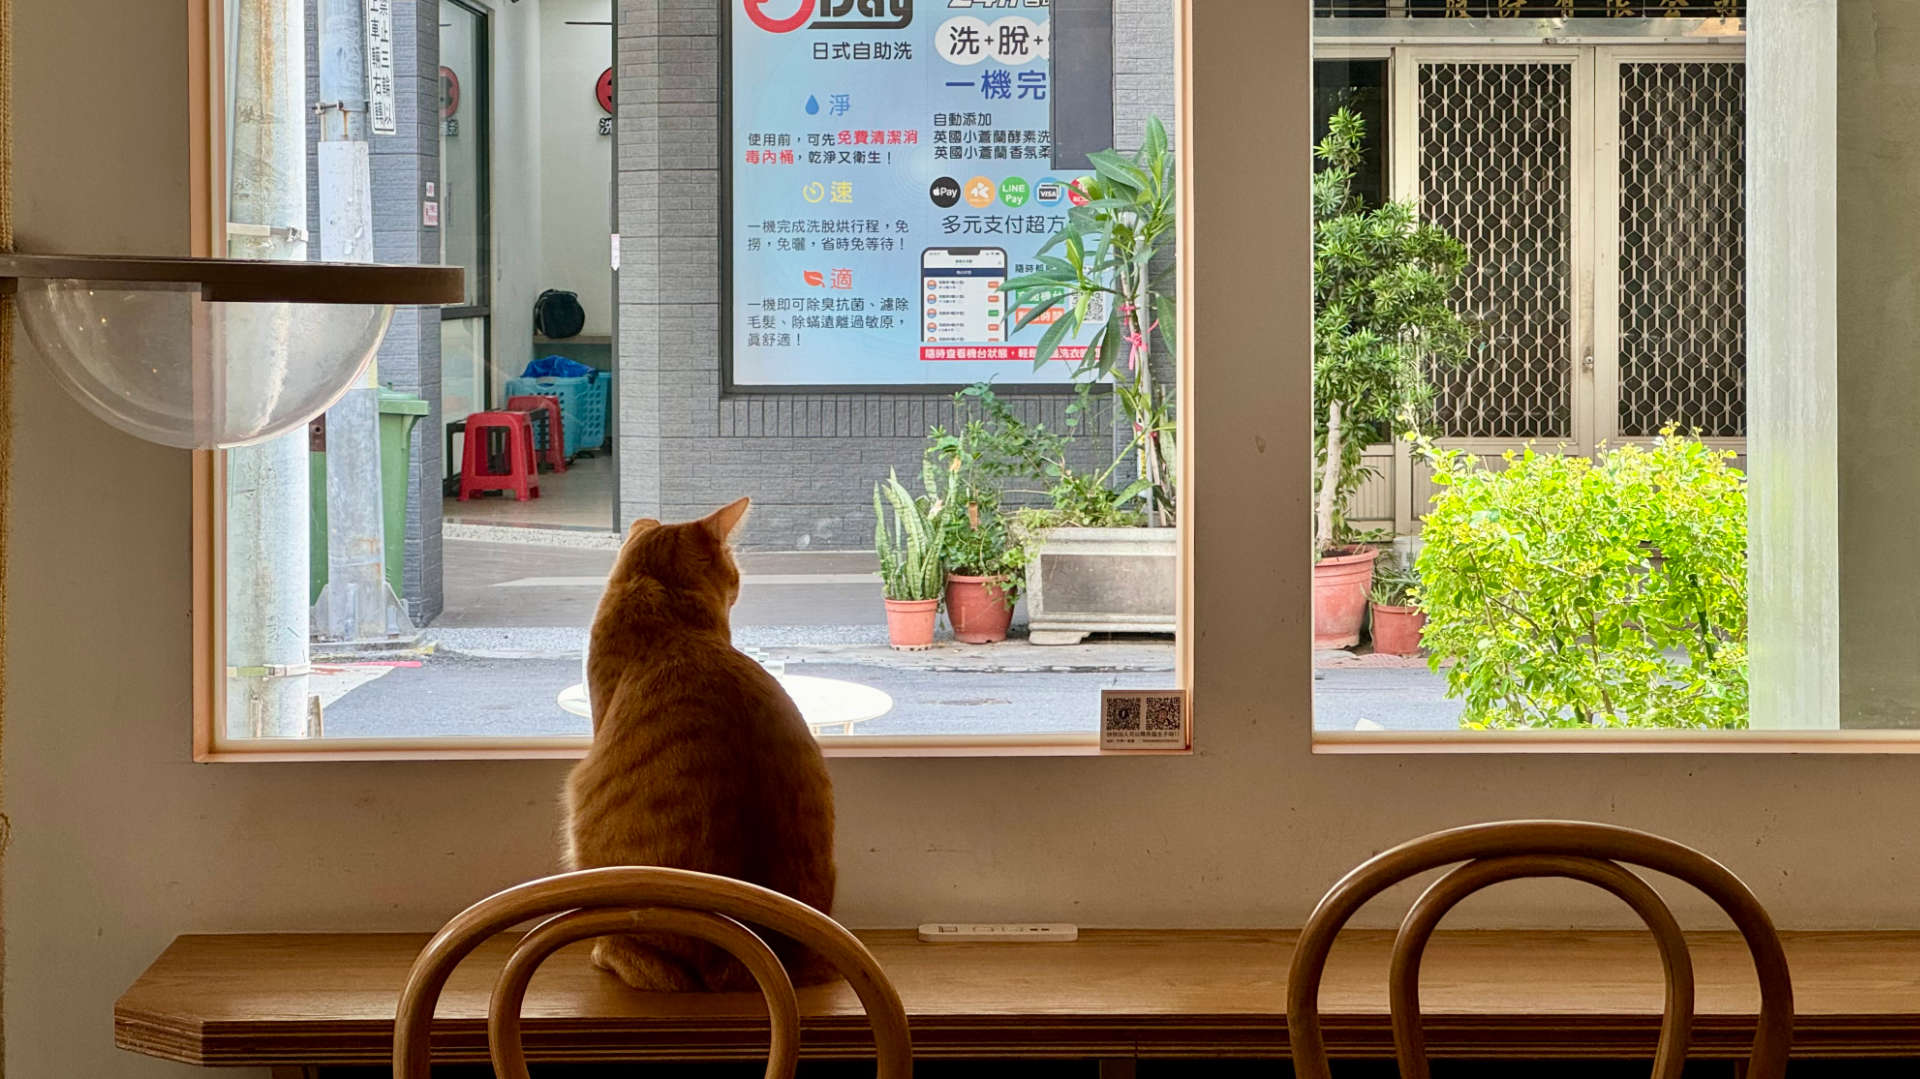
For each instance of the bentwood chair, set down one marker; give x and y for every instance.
(1510, 850)
(629, 899)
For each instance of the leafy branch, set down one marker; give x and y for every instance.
(1098, 272)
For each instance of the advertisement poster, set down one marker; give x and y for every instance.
(891, 166)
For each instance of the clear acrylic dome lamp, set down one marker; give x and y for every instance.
(158, 361)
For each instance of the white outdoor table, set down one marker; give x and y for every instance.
(823, 702)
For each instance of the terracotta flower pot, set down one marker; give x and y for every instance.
(1396, 630)
(978, 608)
(1341, 583)
(910, 623)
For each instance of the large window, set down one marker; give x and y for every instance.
(1546, 370)
(1572, 467)
(907, 305)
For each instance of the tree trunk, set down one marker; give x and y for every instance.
(1152, 468)
(1329, 483)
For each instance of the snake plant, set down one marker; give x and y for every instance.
(910, 551)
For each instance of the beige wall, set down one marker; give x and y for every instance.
(120, 843)
(1878, 321)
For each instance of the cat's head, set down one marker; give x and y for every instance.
(688, 568)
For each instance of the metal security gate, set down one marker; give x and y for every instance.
(1600, 192)
(1672, 274)
(1493, 163)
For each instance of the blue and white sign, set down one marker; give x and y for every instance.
(892, 166)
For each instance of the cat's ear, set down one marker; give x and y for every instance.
(644, 524)
(722, 522)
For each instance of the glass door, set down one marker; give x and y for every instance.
(1670, 277)
(463, 205)
(1496, 160)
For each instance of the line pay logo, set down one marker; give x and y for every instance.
(830, 15)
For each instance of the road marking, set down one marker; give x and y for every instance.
(745, 580)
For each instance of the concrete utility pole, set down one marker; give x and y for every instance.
(357, 604)
(268, 575)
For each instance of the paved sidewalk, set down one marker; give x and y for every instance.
(517, 584)
(516, 623)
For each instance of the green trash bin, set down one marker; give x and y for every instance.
(398, 413)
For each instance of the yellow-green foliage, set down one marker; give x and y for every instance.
(1566, 593)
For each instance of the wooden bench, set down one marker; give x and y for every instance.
(300, 1001)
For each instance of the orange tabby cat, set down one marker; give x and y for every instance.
(700, 760)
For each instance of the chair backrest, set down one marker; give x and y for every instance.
(627, 899)
(1509, 850)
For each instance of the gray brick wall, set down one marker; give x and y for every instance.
(1142, 67)
(409, 358)
(808, 460)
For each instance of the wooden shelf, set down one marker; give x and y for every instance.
(253, 281)
(329, 999)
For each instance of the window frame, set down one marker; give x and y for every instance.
(482, 93)
(480, 311)
(208, 616)
(1472, 40)
(1233, 417)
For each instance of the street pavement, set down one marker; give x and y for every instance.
(516, 623)
(452, 696)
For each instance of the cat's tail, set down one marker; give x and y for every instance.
(652, 962)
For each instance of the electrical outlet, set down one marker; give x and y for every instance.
(954, 932)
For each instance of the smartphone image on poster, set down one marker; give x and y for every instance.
(961, 301)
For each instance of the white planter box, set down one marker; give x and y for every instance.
(1102, 580)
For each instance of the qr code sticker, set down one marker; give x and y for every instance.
(1143, 719)
(1164, 714)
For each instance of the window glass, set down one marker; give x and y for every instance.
(960, 442)
(1531, 371)
(1359, 86)
(1540, 377)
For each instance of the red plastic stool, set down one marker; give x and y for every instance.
(556, 450)
(522, 475)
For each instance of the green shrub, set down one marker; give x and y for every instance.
(1567, 593)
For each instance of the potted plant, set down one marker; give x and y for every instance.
(910, 556)
(986, 567)
(985, 579)
(1101, 559)
(1090, 563)
(1384, 317)
(1397, 617)
(1093, 566)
